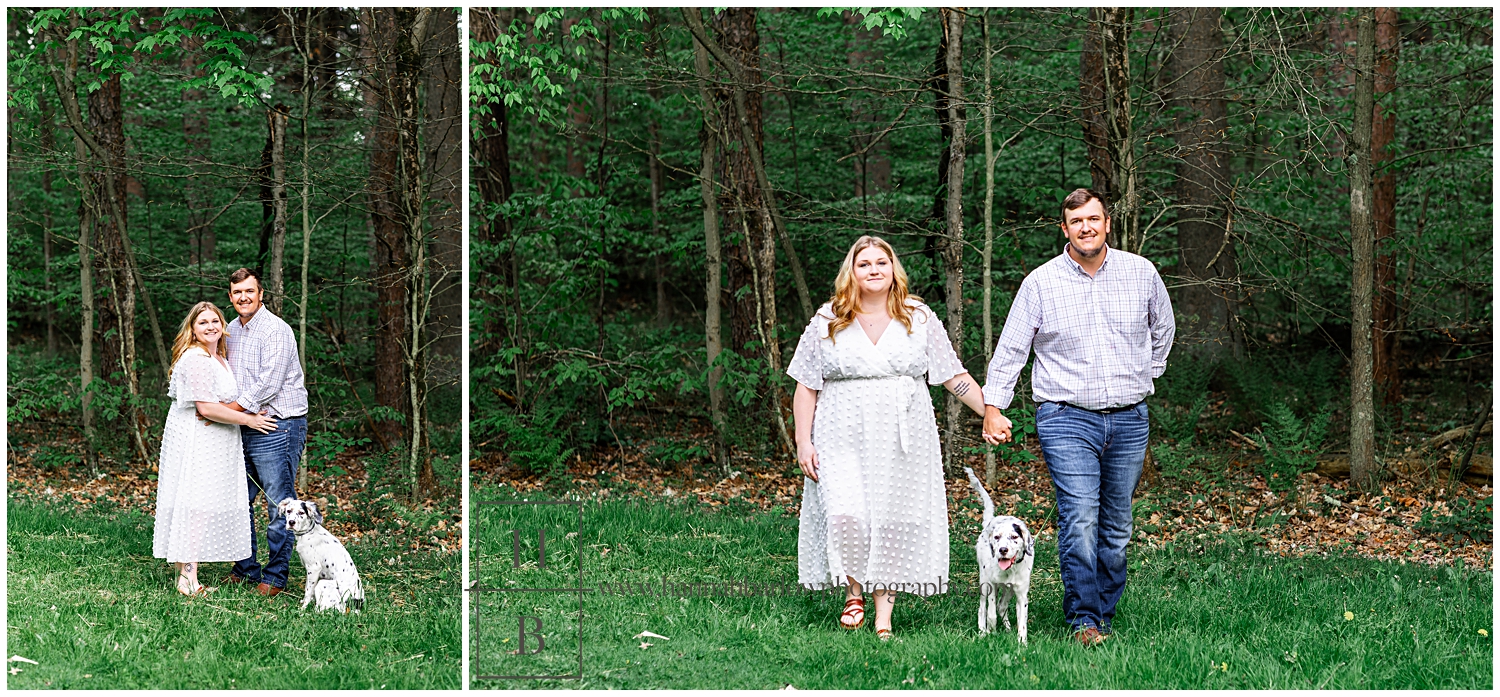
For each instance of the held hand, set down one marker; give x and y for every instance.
(262, 423)
(807, 457)
(996, 427)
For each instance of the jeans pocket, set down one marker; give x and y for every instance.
(1140, 410)
(1047, 410)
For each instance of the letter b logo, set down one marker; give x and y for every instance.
(536, 631)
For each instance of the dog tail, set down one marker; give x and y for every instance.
(989, 506)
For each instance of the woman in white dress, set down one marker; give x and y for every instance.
(200, 485)
(874, 507)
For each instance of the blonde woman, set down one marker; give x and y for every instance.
(200, 485)
(874, 508)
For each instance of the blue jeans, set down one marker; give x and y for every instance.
(1095, 460)
(271, 461)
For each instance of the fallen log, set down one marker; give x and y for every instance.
(1454, 434)
(1481, 468)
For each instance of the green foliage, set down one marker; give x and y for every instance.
(1181, 398)
(323, 447)
(673, 453)
(1305, 383)
(1290, 444)
(891, 20)
(1473, 518)
(532, 441)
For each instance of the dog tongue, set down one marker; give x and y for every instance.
(1005, 564)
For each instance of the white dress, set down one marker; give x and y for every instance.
(879, 511)
(202, 500)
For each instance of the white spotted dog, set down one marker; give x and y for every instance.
(1005, 555)
(332, 579)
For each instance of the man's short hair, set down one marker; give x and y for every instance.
(1080, 198)
(242, 273)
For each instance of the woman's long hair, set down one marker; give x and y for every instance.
(186, 340)
(845, 298)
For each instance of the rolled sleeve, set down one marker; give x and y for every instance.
(1013, 348)
(1163, 326)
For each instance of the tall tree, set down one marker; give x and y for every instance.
(442, 154)
(710, 136)
(1207, 250)
(386, 91)
(276, 120)
(196, 135)
(1362, 223)
(953, 209)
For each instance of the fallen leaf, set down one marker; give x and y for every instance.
(653, 635)
(644, 644)
(23, 659)
(13, 671)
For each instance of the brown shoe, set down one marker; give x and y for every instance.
(1088, 636)
(268, 590)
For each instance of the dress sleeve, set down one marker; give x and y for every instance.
(807, 363)
(942, 363)
(193, 379)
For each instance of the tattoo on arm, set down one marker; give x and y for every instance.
(961, 388)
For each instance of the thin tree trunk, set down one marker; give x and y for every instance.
(1386, 341)
(195, 135)
(276, 119)
(306, 217)
(713, 287)
(50, 304)
(444, 129)
(1115, 30)
(986, 267)
(1362, 223)
(953, 247)
(87, 299)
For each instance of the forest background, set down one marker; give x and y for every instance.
(661, 199)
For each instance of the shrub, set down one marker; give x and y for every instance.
(1291, 445)
(1473, 519)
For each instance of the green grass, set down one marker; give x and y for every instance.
(91, 605)
(1221, 616)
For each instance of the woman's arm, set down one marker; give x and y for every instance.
(967, 390)
(215, 411)
(804, 405)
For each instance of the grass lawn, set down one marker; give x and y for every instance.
(91, 605)
(1225, 615)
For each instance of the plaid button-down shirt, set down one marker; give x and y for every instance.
(1100, 340)
(263, 358)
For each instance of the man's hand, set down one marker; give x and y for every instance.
(996, 426)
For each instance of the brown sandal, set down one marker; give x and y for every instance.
(884, 634)
(854, 613)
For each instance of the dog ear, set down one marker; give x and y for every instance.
(312, 510)
(1026, 533)
(281, 507)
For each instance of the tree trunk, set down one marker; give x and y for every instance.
(49, 145)
(743, 64)
(1386, 341)
(276, 119)
(872, 164)
(385, 88)
(746, 199)
(953, 242)
(444, 145)
(709, 137)
(654, 173)
(307, 87)
(195, 194)
(86, 301)
(1106, 67)
(1207, 250)
(1361, 195)
(986, 265)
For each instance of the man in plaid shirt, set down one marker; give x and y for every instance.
(263, 358)
(1101, 325)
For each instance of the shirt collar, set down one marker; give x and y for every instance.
(1067, 247)
(254, 319)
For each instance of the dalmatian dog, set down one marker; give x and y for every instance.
(332, 580)
(1005, 556)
